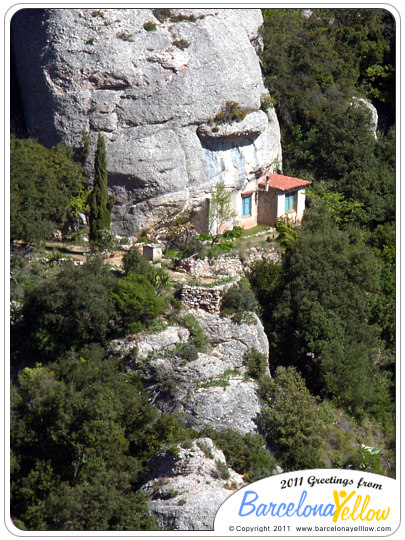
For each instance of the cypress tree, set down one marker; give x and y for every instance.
(101, 203)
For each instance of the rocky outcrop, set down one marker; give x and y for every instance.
(231, 339)
(152, 84)
(188, 486)
(372, 111)
(211, 388)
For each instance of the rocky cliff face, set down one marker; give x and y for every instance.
(151, 83)
(211, 389)
(187, 488)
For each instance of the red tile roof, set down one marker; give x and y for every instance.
(282, 182)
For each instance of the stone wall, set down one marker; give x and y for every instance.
(227, 266)
(205, 298)
(223, 266)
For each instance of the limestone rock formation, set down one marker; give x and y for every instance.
(187, 488)
(368, 106)
(211, 389)
(151, 82)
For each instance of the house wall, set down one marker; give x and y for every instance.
(267, 208)
(295, 216)
(246, 222)
(300, 204)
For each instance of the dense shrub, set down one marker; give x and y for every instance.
(137, 302)
(43, 187)
(70, 309)
(78, 433)
(133, 261)
(198, 337)
(256, 363)
(238, 300)
(286, 232)
(187, 351)
(290, 420)
(235, 232)
(246, 454)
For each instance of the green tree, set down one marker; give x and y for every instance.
(69, 309)
(101, 204)
(318, 311)
(43, 187)
(315, 63)
(221, 213)
(80, 432)
(238, 300)
(137, 301)
(290, 420)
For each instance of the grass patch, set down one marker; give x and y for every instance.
(149, 26)
(222, 380)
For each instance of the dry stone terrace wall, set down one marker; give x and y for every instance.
(205, 298)
(227, 266)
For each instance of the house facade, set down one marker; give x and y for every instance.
(261, 201)
(273, 196)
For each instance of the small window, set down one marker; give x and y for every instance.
(290, 202)
(247, 205)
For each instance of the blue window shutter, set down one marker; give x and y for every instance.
(246, 205)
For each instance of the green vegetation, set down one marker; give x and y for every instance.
(256, 363)
(82, 434)
(125, 36)
(246, 454)
(266, 102)
(329, 309)
(290, 420)
(286, 232)
(221, 380)
(238, 300)
(68, 310)
(101, 203)
(221, 470)
(181, 44)
(164, 14)
(198, 337)
(83, 429)
(43, 185)
(230, 112)
(221, 213)
(318, 309)
(84, 150)
(149, 26)
(137, 301)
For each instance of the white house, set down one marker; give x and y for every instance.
(262, 201)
